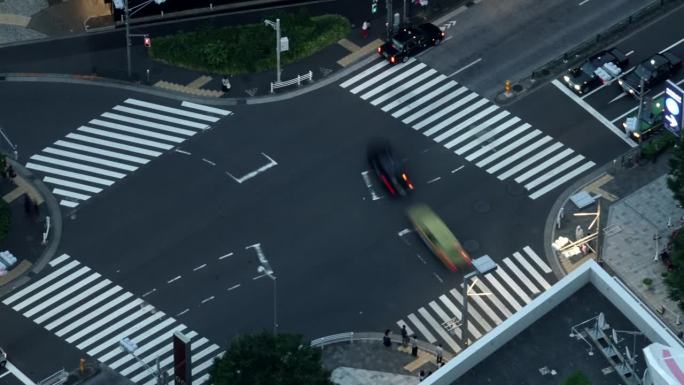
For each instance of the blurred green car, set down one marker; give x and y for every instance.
(438, 237)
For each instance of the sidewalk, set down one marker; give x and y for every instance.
(637, 216)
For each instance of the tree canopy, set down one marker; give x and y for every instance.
(267, 359)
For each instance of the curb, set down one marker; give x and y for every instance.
(56, 228)
(374, 336)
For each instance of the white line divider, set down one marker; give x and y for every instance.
(423, 330)
(451, 119)
(393, 81)
(473, 314)
(403, 87)
(138, 131)
(557, 170)
(439, 103)
(512, 146)
(117, 145)
(422, 100)
(147, 123)
(381, 76)
(529, 161)
(58, 260)
(526, 281)
(439, 329)
(544, 165)
(562, 180)
(164, 118)
(545, 268)
(602, 119)
(125, 138)
(91, 159)
(501, 290)
(75, 175)
(99, 151)
(53, 299)
(73, 300)
(531, 270)
(485, 137)
(415, 92)
(494, 298)
(363, 74)
(109, 330)
(109, 317)
(443, 316)
(479, 128)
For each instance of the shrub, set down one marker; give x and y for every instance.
(5, 220)
(576, 378)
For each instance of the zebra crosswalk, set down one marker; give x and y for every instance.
(492, 299)
(116, 144)
(471, 126)
(92, 313)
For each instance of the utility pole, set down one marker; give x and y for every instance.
(404, 19)
(128, 39)
(389, 18)
(640, 111)
(276, 26)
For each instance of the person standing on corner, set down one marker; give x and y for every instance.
(386, 340)
(364, 29)
(404, 336)
(225, 84)
(414, 346)
(440, 354)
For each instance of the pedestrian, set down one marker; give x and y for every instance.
(441, 364)
(421, 375)
(364, 29)
(404, 336)
(414, 346)
(440, 354)
(225, 84)
(386, 340)
(10, 171)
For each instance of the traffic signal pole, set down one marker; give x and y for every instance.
(389, 18)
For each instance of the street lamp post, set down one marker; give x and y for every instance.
(640, 110)
(12, 145)
(269, 274)
(276, 27)
(483, 265)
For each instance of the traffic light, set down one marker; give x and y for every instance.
(374, 6)
(148, 41)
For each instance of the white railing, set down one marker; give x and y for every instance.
(47, 230)
(320, 342)
(298, 81)
(56, 379)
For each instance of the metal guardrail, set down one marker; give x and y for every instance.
(56, 379)
(298, 81)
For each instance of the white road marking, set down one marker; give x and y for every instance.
(58, 260)
(474, 332)
(415, 92)
(395, 79)
(125, 138)
(513, 285)
(562, 180)
(174, 279)
(172, 110)
(137, 131)
(18, 374)
(208, 299)
(183, 312)
(439, 329)
(89, 304)
(453, 118)
(35, 297)
(543, 178)
(225, 256)
(423, 330)
(510, 147)
(68, 203)
(100, 322)
(494, 298)
(208, 161)
(59, 296)
(182, 152)
(531, 270)
(147, 123)
(363, 74)
(200, 267)
(439, 103)
(544, 165)
(602, 119)
(233, 287)
(427, 97)
(380, 76)
(457, 169)
(526, 281)
(9, 300)
(434, 180)
(148, 293)
(77, 166)
(501, 290)
(466, 67)
(254, 173)
(98, 151)
(402, 87)
(487, 124)
(74, 175)
(529, 161)
(108, 143)
(138, 338)
(545, 268)
(90, 159)
(202, 107)
(116, 326)
(438, 277)
(583, 2)
(486, 136)
(408, 329)
(163, 338)
(183, 122)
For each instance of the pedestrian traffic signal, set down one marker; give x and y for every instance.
(148, 41)
(374, 6)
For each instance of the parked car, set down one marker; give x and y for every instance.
(653, 70)
(437, 236)
(389, 168)
(409, 41)
(651, 120)
(597, 70)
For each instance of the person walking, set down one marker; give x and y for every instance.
(421, 375)
(404, 336)
(440, 354)
(225, 84)
(364, 29)
(414, 346)
(386, 340)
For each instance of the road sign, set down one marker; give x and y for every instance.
(148, 41)
(673, 118)
(181, 359)
(284, 44)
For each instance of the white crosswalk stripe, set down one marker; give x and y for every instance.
(463, 121)
(90, 313)
(115, 144)
(492, 299)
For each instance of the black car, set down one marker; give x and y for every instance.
(388, 168)
(409, 41)
(653, 70)
(598, 69)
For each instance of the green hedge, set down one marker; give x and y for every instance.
(657, 145)
(576, 378)
(249, 48)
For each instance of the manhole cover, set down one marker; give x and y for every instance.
(471, 245)
(481, 207)
(515, 189)
(517, 88)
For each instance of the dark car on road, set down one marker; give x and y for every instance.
(409, 41)
(388, 168)
(653, 71)
(598, 69)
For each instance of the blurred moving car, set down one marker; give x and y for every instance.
(438, 237)
(388, 168)
(651, 120)
(409, 41)
(652, 70)
(597, 70)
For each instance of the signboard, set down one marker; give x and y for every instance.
(182, 374)
(672, 111)
(284, 44)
